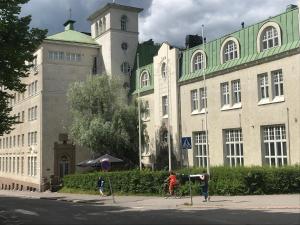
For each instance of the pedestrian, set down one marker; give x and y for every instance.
(204, 186)
(100, 185)
(172, 182)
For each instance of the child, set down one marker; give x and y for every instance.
(100, 185)
(204, 178)
(172, 182)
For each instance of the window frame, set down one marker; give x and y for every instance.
(194, 101)
(233, 147)
(235, 51)
(145, 82)
(123, 22)
(261, 33)
(202, 62)
(200, 149)
(165, 105)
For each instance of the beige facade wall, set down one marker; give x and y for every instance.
(251, 115)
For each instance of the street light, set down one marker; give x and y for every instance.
(205, 104)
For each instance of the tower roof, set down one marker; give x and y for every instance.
(113, 6)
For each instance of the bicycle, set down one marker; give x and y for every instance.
(176, 192)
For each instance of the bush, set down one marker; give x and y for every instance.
(224, 181)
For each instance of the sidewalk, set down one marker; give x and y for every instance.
(289, 203)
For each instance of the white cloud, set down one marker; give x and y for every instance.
(173, 20)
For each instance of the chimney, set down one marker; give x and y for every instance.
(243, 24)
(69, 25)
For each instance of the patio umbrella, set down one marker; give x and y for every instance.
(106, 157)
(86, 163)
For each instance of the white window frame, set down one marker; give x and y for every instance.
(194, 101)
(203, 99)
(264, 90)
(124, 21)
(200, 149)
(275, 135)
(262, 37)
(164, 70)
(145, 79)
(230, 46)
(234, 149)
(277, 83)
(225, 94)
(236, 92)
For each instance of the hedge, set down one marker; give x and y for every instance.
(224, 181)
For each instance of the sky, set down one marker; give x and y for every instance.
(161, 20)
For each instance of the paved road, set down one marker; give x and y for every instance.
(29, 208)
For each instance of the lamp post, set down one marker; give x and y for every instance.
(139, 110)
(205, 103)
(169, 115)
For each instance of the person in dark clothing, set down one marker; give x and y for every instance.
(204, 185)
(100, 185)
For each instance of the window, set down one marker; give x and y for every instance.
(230, 51)
(263, 86)
(203, 98)
(95, 65)
(23, 116)
(23, 139)
(96, 29)
(277, 80)
(269, 38)
(125, 68)
(236, 90)
(145, 79)
(198, 61)
(194, 100)
(164, 70)
(146, 112)
(200, 150)
(275, 149)
(165, 105)
(234, 155)
(225, 93)
(124, 23)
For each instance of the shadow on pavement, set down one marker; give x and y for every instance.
(40, 211)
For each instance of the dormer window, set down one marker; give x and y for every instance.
(145, 79)
(269, 36)
(198, 60)
(230, 50)
(124, 20)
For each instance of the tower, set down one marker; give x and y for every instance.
(115, 28)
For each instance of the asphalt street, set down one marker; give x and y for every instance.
(22, 210)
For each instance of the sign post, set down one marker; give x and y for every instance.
(186, 143)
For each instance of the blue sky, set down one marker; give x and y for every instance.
(161, 20)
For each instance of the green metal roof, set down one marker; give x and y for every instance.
(147, 50)
(289, 25)
(72, 36)
(149, 69)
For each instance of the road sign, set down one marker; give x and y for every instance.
(186, 142)
(105, 164)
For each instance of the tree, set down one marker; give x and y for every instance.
(17, 44)
(102, 121)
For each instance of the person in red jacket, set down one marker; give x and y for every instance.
(172, 182)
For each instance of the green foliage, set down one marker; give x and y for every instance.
(224, 181)
(17, 44)
(102, 120)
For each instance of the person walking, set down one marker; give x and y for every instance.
(204, 186)
(100, 185)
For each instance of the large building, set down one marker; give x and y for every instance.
(246, 109)
(38, 148)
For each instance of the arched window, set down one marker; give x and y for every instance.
(124, 22)
(145, 79)
(269, 36)
(230, 50)
(198, 61)
(164, 70)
